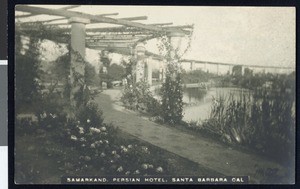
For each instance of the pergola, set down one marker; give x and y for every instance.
(125, 38)
(120, 39)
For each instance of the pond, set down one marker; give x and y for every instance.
(198, 102)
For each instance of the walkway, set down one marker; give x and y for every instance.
(211, 155)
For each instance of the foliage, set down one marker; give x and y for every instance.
(61, 68)
(197, 76)
(92, 146)
(139, 97)
(172, 104)
(91, 76)
(116, 72)
(28, 83)
(172, 92)
(90, 112)
(263, 120)
(103, 74)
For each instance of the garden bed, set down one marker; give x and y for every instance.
(41, 158)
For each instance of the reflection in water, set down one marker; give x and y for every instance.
(194, 95)
(198, 102)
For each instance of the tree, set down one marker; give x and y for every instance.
(27, 73)
(90, 74)
(116, 72)
(236, 74)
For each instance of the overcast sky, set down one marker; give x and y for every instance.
(241, 35)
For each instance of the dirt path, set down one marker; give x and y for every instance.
(212, 155)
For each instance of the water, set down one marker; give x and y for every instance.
(198, 102)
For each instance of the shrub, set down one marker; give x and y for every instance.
(139, 97)
(172, 104)
(90, 115)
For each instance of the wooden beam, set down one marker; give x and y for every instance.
(46, 21)
(124, 51)
(129, 18)
(101, 19)
(108, 14)
(183, 26)
(113, 29)
(135, 18)
(102, 31)
(111, 45)
(57, 24)
(52, 20)
(145, 39)
(161, 24)
(97, 41)
(70, 7)
(116, 37)
(63, 8)
(126, 35)
(22, 16)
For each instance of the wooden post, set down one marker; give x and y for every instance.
(77, 48)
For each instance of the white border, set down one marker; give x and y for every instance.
(3, 62)
(4, 167)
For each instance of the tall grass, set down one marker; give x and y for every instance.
(263, 120)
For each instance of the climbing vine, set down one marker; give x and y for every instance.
(171, 90)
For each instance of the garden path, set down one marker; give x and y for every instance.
(204, 151)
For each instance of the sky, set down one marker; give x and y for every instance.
(237, 35)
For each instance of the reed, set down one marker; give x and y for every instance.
(262, 119)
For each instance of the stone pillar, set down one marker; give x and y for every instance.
(77, 48)
(140, 65)
(149, 71)
(243, 70)
(230, 69)
(175, 41)
(192, 65)
(205, 67)
(162, 71)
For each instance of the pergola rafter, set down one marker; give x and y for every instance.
(95, 18)
(120, 39)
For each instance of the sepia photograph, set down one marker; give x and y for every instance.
(111, 94)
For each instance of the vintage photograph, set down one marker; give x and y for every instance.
(154, 94)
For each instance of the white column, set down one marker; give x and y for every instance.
(192, 65)
(162, 70)
(149, 70)
(230, 69)
(175, 41)
(78, 46)
(140, 65)
(243, 70)
(218, 67)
